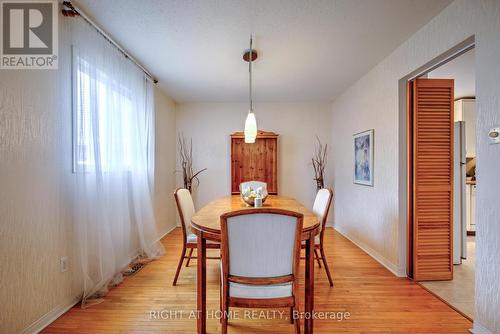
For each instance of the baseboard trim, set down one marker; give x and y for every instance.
(397, 271)
(167, 232)
(480, 329)
(50, 317)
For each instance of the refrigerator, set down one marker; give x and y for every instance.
(459, 199)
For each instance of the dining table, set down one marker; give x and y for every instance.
(206, 225)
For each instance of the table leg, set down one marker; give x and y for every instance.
(309, 286)
(201, 290)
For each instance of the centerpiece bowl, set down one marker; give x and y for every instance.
(250, 198)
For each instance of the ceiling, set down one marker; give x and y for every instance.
(308, 50)
(461, 69)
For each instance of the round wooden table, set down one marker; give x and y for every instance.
(206, 225)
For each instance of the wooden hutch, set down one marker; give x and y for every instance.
(254, 162)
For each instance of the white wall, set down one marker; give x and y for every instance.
(164, 162)
(372, 103)
(210, 125)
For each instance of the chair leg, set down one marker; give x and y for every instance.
(189, 257)
(225, 313)
(220, 301)
(297, 325)
(179, 266)
(316, 255)
(221, 298)
(224, 325)
(323, 257)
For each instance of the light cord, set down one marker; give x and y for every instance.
(250, 75)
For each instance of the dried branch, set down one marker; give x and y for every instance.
(186, 157)
(319, 161)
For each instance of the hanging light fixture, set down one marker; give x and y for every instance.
(250, 123)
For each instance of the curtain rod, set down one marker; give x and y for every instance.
(75, 11)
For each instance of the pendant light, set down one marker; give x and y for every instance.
(250, 122)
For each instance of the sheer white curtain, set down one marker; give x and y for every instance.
(113, 161)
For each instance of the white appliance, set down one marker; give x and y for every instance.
(459, 196)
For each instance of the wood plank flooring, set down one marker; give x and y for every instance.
(378, 302)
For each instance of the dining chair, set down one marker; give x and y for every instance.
(321, 208)
(260, 250)
(185, 206)
(254, 185)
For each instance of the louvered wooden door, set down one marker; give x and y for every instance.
(432, 179)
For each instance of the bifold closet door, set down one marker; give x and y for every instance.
(432, 178)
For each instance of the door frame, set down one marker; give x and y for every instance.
(404, 186)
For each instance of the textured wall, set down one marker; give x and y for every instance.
(35, 171)
(164, 162)
(488, 169)
(372, 102)
(210, 124)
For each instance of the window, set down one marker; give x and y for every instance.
(103, 120)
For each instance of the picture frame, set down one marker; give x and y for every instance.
(363, 149)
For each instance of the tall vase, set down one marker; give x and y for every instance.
(319, 184)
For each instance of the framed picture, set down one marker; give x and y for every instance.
(363, 158)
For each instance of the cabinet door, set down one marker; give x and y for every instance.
(469, 114)
(468, 201)
(254, 162)
(458, 111)
(473, 208)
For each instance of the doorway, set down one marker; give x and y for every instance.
(459, 292)
(458, 289)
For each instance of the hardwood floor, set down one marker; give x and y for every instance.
(378, 302)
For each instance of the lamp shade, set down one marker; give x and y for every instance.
(250, 128)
